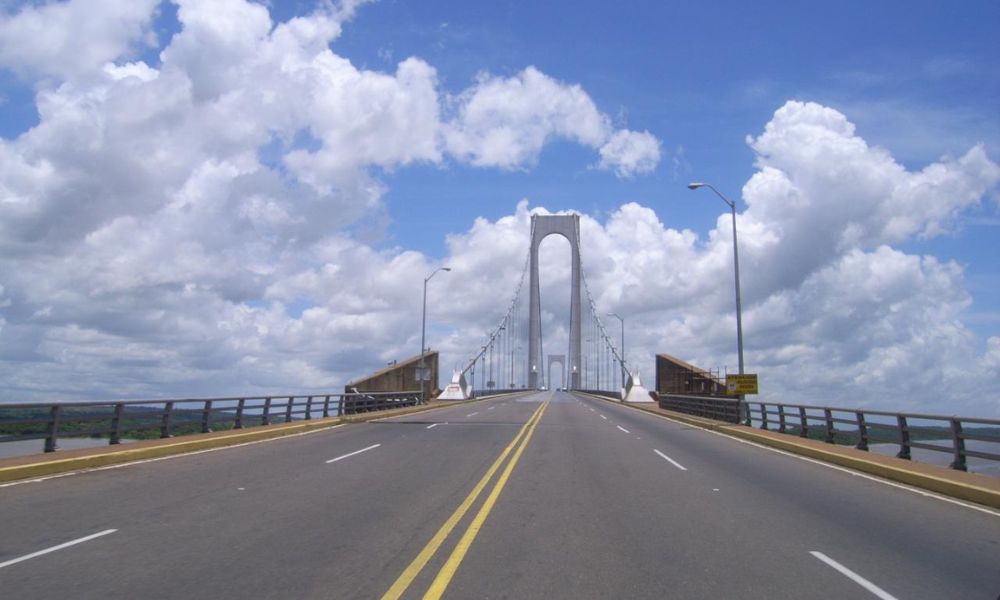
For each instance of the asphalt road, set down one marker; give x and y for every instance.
(577, 498)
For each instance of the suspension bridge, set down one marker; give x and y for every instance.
(512, 489)
(513, 356)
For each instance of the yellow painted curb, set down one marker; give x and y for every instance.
(964, 490)
(192, 443)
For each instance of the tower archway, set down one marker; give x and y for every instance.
(543, 226)
(559, 359)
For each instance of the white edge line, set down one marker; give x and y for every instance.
(670, 460)
(350, 454)
(54, 548)
(623, 429)
(432, 425)
(858, 579)
(172, 456)
(814, 461)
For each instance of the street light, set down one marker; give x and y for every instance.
(423, 329)
(491, 383)
(623, 345)
(736, 268)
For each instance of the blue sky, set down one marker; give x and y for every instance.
(333, 182)
(918, 78)
(700, 78)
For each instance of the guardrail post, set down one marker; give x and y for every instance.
(959, 445)
(205, 417)
(803, 422)
(309, 408)
(168, 410)
(265, 418)
(239, 414)
(116, 424)
(52, 430)
(340, 405)
(829, 425)
(781, 418)
(862, 431)
(288, 409)
(326, 406)
(763, 416)
(904, 438)
(749, 420)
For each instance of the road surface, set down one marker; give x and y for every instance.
(543, 496)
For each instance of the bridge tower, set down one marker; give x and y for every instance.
(543, 226)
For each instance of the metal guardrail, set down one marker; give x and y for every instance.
(710, 407)
(481, 393)
(116, 419)
(859, 427)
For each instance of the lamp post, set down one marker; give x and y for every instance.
(736, 268)
(623, 344)
(491, 384)
(423, 331)
(501, 355)
(512, 349)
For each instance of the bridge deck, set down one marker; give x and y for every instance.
(602, 502)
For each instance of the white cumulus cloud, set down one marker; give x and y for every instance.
(181, 228)
(75, 38)
(505, 122)
(181, 225)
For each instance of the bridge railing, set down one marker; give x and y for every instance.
(962, 437)
(710, 407)
(166, 418)
(479, 393)
(862, 427)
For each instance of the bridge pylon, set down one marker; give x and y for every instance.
(543, 226)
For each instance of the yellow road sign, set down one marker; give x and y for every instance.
(737, 385)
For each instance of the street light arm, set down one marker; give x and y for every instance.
(428, 278)
(698, 184)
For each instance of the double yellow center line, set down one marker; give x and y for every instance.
(447, 571)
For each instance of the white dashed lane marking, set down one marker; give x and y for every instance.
(356, 452)
(670, 460)
(858, 579)
(14, 561)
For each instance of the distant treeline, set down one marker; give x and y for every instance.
(134, 425)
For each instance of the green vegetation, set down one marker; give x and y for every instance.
(74, 421)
